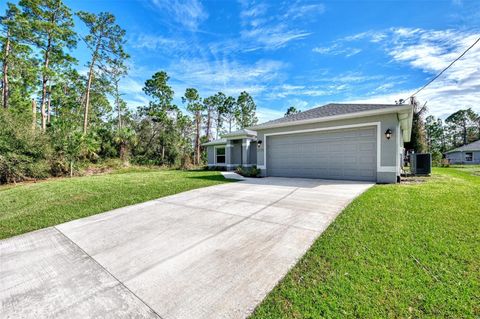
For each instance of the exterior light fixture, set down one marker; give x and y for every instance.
(388, 133)
(259, 143)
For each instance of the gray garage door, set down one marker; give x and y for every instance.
(337, 154)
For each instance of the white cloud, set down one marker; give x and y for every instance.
(372, 36)
(323, 50)
(273, 37)
(188, 13)
(292, 87)
(136, 100)
(383, 88)
(286, 90)
(131, 89)
(337, 49)
(228, 76)
(264, 29)
(298, 103)
(253, 11)
(430, 51)
(128, 86)
(352, 77)
(157, 43)
(267, 114)
(301, 10)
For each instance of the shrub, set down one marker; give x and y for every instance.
(248, 171)
(436, 158)
(16, 168)
(59, 167)
(24, 153)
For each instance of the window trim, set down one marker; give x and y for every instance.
(216, 155)
(471, 157)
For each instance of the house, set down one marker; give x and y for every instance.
(466, 154)
(335, 141)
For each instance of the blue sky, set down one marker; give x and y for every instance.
(301, 53)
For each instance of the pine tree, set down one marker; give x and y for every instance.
(196, 107)
(245, 111)
(105, 41)
(51, 32)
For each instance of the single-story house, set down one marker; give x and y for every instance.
(466, 154)
(335, 141)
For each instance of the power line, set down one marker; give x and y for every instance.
(438, 75)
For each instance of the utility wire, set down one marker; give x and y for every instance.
(438, 75)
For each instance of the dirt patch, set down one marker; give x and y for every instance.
(96, 171)
(414, 179)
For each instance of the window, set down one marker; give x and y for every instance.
(220, 155)
(468, 157)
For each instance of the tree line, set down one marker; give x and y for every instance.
(434, 135)
(54, 119)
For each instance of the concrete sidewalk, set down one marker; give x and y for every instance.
(213, 252)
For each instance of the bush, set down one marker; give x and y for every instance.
(24, 153)
(248, 171)
(16, 168)
(436, 158)
(59, 167)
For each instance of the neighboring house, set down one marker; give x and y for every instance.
(334, 141)
(466, 154)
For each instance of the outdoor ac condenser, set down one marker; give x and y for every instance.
(421, 163)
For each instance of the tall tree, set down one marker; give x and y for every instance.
(464, 121)
(435, 137)
(65, 97)
(245, 114)
(105, 41)
(196, 107)
(417, 140)
(124, 135)
(229, 109)
(292, 110)
(213, 106)
(51, 32)
(117, 72)
(183, 141)
(159, 111)
(19, 74)
(220, 99)
(10, 29)
(158, 89)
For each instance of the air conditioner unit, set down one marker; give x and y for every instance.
(421, 163)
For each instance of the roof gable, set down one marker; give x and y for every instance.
(474, 146)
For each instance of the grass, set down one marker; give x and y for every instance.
(31, 206)
(397, 251)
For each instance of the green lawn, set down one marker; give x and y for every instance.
(32, 206)
(398, 251)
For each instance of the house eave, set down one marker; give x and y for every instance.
(242, 134)
(462, 151)
(405, 117)
(213, 143)
(401, 109)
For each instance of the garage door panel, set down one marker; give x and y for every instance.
(366, 147)
(339, 154)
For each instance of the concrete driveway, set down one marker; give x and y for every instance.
(213, 252)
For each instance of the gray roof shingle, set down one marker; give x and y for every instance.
(240, 132)
(219, 141)
(331, 109)
(474, 146)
